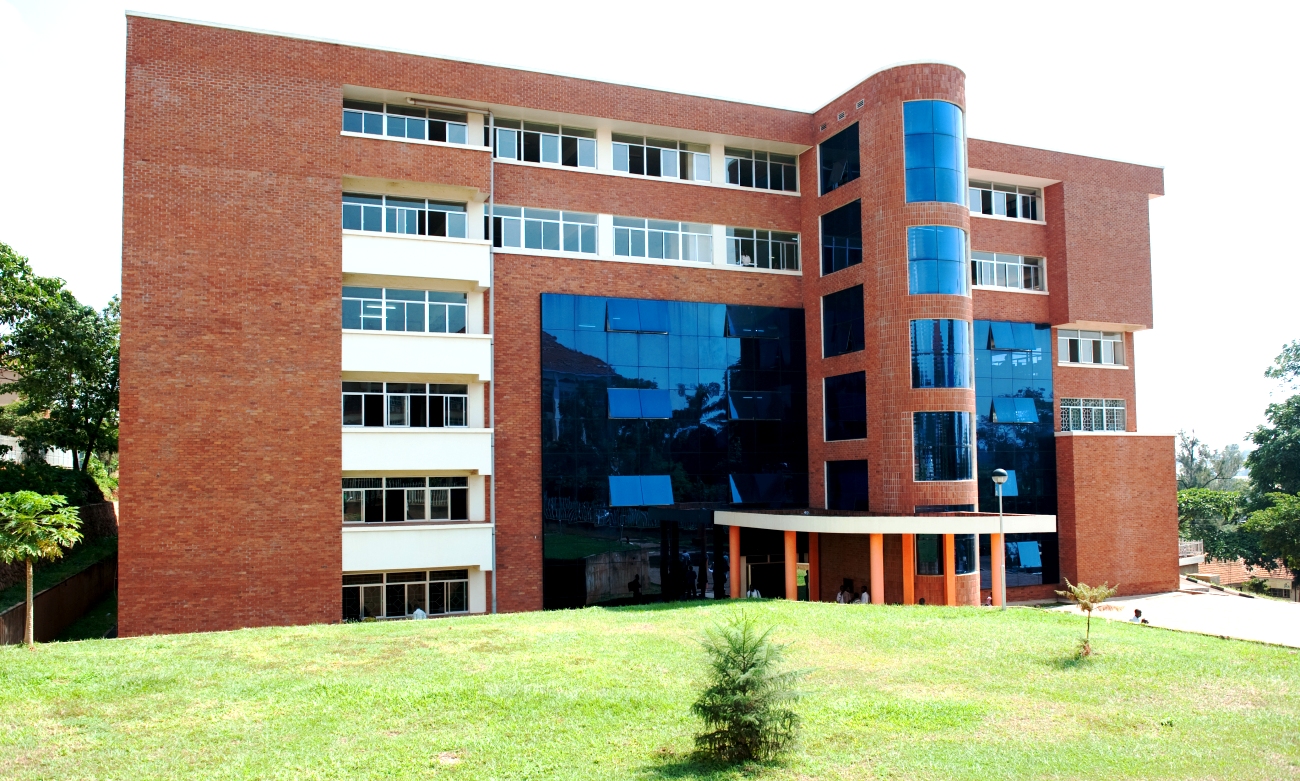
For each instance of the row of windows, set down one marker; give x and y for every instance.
(405, 405)
(1090, 347)
(1004, 200)
(764, 170)
(534, 142)
(400, 594)
(657, 157)
(377, 119)
(929, 554)
(544, 229)
(411, 216)
(397, 499)
(419, 311)
(1094, 415)
(1018, 272)
(662, 239)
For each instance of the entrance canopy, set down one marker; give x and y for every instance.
(831, 522)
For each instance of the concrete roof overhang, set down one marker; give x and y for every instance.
(864, 523)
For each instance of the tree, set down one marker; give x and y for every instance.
(1201, 467)
(34, 526)
(21, 291)
(65, 356)
(1215, 518)
(1278, 528)
(1275, 462)
(1089, 598)
(1286, 366)
(746, 704)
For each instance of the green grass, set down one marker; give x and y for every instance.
(894, 692)
(54, 572)
(95, 623)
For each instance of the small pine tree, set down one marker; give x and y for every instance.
(1088, 598)
(746, 704)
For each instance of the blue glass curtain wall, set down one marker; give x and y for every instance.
(934, 150)
(941, 354)
(941, 445)
(706, 403)
(937, 261)
(1015, 432)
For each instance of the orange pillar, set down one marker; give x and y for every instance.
(909, 569)
(877, 569)
(733, 556)
(949, 570)
(791, 567)
(814, 569)
(997, 551)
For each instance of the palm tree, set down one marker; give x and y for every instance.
(35, 526)
(1088, 598)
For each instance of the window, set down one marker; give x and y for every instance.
(640, 316)
(771, 489)
(544, 229)
(411, 216)
(387, 309)
(764, 170)
(1014, 409)
(845, 404)
(663, 240)
(1097, 347)
(842, 323)
(762, 249)
(756, 405)
(399, 594)
(657, 157)
(405, 122)
(936, 260)
(941, 354)
(842, 238)
(1019, 272)
(941, 446)
(405, 405)
(839, 156)
(538, 143)
(929, 554)
(640, 491)
(965, 554)
(846, 486)
(934, 151)
(639, 403)
(396, 499)
(1004, 200)
(1093, 415)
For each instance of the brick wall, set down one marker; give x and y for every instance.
(1118, 511)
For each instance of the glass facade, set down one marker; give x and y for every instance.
(941, 354)
(934, 149)
(842, 238)
(845, 403)
(936, 260)
(1014, 431)
(842, 323)
(628, 487)
(840, 159)
(846, 486)
(941, 446)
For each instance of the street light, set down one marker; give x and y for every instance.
(1000, 477)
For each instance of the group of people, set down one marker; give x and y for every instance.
(847, 596)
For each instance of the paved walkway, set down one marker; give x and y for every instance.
(1211, 612)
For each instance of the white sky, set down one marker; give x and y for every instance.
(1203, 91)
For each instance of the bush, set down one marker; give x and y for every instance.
(746, 704)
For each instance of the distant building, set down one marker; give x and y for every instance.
(397, 329)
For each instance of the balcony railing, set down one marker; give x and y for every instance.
(1188, 548)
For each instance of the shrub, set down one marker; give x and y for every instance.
(1089, 598)
(746, 705)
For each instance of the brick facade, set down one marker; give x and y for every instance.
(233, 171)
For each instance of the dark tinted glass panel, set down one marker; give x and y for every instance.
(842, 238)
(839, 159)
(846, 486)
(964, 548)
(941, 354)
(624, 403)
(845, 401)
(842, 323)
(941, 445)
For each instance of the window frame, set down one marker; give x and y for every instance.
(740, 156)
(1114, 414)
(388, 305)
(699, 156)
(999, 265)
(511, 224)
(646, 234)
(787, 242)
(584, 144)
(450, 394)
(401, 490)
(392, 212)
(459, 128)
(1021, 193)
(380, 581)
(1100, 347)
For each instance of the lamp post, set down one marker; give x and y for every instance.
(1000, 477)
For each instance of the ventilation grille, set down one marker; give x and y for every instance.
(823, 127)
(841, 115)
(860, 103)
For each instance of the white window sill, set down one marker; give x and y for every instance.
(424, 334)
(384, 525)
(984, 216)
(417, 429)
(1073, 433)
(541, 253)
(641, 177)
(417, 237)
(417, 141)
(1092, 365)
(996, 289)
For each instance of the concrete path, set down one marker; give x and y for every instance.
(1210, 612)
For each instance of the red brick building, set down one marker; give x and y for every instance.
(962, 305)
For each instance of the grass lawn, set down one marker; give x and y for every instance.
(894, 692)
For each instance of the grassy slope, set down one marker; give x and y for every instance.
(894, 693)
(51, 573)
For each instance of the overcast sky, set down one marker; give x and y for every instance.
(1203, 93)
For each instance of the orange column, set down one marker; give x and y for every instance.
(733, 556)
(877, 569)
(909, 569)
(791, 567)
(814, 568)
(997, 551)
(949, 570)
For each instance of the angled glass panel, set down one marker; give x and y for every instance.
(624, 403)
(625, 491)
(656, 490)
(623, 315)
(653, 317)
(655, 403)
